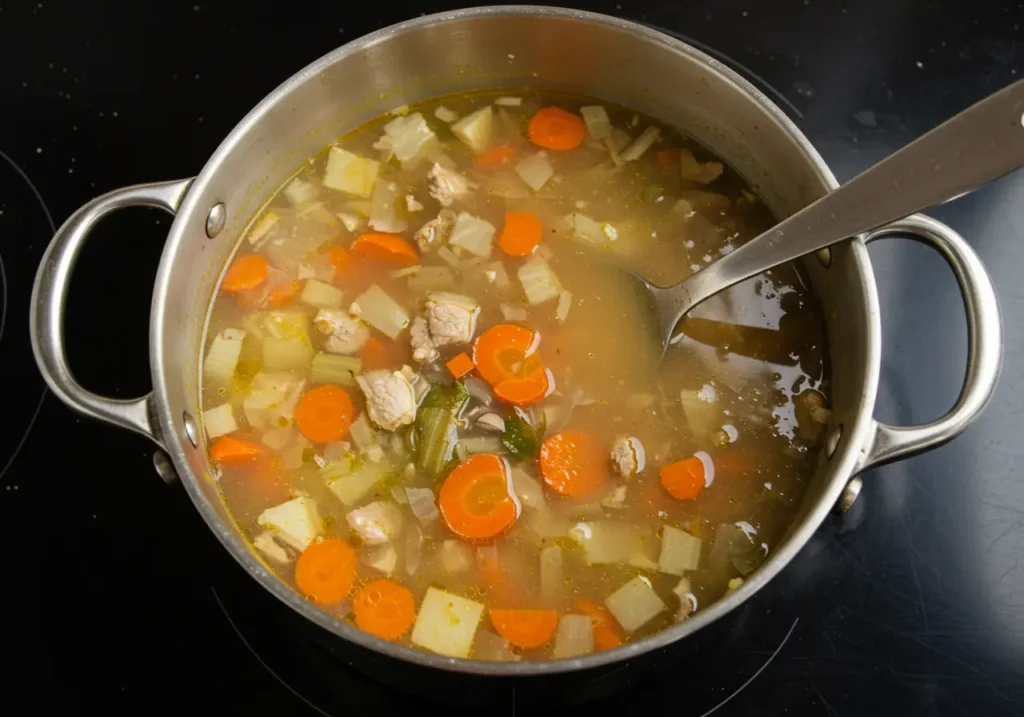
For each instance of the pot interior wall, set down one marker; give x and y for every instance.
(589, 55)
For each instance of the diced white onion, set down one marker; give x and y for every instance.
(475, 129)
(574, 637)
(496, 274)
(448, 257)
(219, 421)
(701, 414)
(490, 647)
(456, 556)
(266, 405)
(472, 234)
(609, 541)
(363, 435)
(348, 172)
(382, 312)
(380, 557)
(513, 313)
(599, 126)
(599, 234)
(539, 281)
(536, 170)
(222, 357)
(429, 278)
(384, 209)
(634, 604)
(564, 304)
(421, 502)
(265, 543)
(277, 439)
(478, 390)
(528, 489)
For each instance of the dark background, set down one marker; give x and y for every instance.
(115, 595)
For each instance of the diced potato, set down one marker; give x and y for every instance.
(539, 281)
(634, 604)
(408, 136)
(680, 551)
(321, 294)
(472, 234)
(536, 170)
(574, 637)
(610, 541)
(352, 488)
(475, 129)
(350, 173)
(446, 623)
(701, 412)
(296, 522)
(219, 421)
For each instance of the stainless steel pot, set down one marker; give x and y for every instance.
(557, 49)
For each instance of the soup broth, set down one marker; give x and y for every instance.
(434, 399)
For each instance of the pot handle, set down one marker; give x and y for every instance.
(49, 293)
(984, 346)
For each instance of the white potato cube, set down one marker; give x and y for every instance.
(574, 637)
(380, 557)
(350, 173)
(219, 421)
(446, 623)
(296, 522)
(475, 129)
(634, 604)
(680, 551)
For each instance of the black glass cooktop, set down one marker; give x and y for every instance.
(115, 595)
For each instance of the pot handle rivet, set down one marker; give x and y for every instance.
(850, 494)
(832, 440)
(163, 467)
(216, 219)
(191, 429)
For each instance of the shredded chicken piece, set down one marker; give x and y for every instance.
(687, 600)
(435, 232)
(423, 349)
(345, 335)
(390, 398)
(448, 319)
(628, 456)
(447, 185)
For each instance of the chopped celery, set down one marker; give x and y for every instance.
(642, 143)
(382, 312)
(408, 136)
(351, 487)
(333, 368)
(222, 357)
(321, 294)
(599, 126)
(436, 429)
(482, 444)
(680, 551)
(472, 234)
(519, 436)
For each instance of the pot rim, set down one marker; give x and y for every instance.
(844, 461)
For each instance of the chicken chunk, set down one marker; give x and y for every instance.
(345, 335)
(435, 232)
(390, 398)
(423, 349)
(628, 456)
(448, 319)
(447, 185)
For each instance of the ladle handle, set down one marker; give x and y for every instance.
(980, 144)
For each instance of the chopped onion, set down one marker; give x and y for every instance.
(456, 556)
(490, 647)
(413, 549)
(409, 135)
(429, 278)
(398, 493)
(380, 311)
(642, 143)
(376, 523)
(384, 209)
(536, 170)
(599, 234)
(634, 604)
(472, 234)
(380, 557)
(219, 421)
(564, 304)
(513, 313)
(448, 257)
(445, 115)
(348, 172)
(546, 524)
(478, 390)
(509, 101)
(528, 489)
(575, 636)
(539, 281)
(332, 368)
(222, 357)
(475, 129)
(505, 184)
(277, 439)
(300, 192)
(421, 502)
(407, 271)
(362, 433)
(321, 295)
(552, 575)
(267, 403)
(351, 221)
(599, 126)
(680, 551)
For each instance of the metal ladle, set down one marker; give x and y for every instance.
(982, 143)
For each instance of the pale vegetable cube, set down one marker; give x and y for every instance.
(384, 215)
(222, 357)
(634, 604)
(445, 115)
(348, 172)
(296, 522)
(263, 227)
(219, 421)
(332, 368)
(610, 541)
(380, 311)
(321, 294)
(300, 192)
(701, 412)
(380, 557)
(354, 486)
(265, 543)
(489, 646)
(377, 523)
(599, 234)
(408, 136)
(446, 623)
(472, 234)
(539, 281)
(286, 354)
(599, 126)
(271, 399)
(574, 637)
(475, 129)
(564, 304)
(680, 551)
(456, 556)
(536, 170)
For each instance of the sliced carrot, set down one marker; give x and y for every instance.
(385, 247)
(326, 570)
(496, 582)
(230, 451)
(460, 365)
(668, 158)
(683, 479)
(503, 352)
(524, 628)
(340, 260)
(495, 156)
(524, 391)
(572, 463)
(383, 353)
(267, 479)
(384, 608)
(284, 294)
(324, 414)
(245, 272)
(554, 128)
(607, 635)
(521, 234)
(476, 499)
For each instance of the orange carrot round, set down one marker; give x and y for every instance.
(500, 351)
(324, 414)
(384, 608)
(460, 365)
(572, 463)
(284, 294)
(325, 571)
(380, 353)
(230, 451)
(606, 634)
(495, 156)
(683, 479)
(476, 499)
(521, 234)
(390, 248)
(554, 128)
(524, 628)
(340, 260)
(526, 390)
(245, 272)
